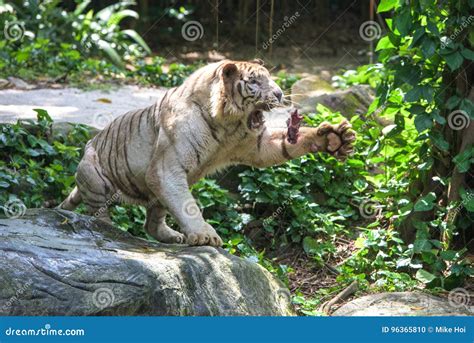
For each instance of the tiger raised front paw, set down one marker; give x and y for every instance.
(340, 138)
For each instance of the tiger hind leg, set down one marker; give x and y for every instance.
(156, 227)
(95, 190)
(72, 200)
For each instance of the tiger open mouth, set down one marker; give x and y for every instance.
(264, 105)
(255, 120)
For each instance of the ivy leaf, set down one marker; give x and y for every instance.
(454, 60)
(428, 47)
(418, 93)
(384, 43)
(453, 102)
(437, 117)
(467, 53)
(387, 5)
(467, 106)
(42, 115)
(439, 141)
(310, 245)
(404, 21)
(426, 203)
(424, 276)
(421, 245)
(417, 35)
(413, 94)
(463, 160)
(32, 152)
(433, 28)
(423, 121)
(403, 262)
(448, 255)
(428, 92)
(467, 199)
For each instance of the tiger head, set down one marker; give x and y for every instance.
(249, 90)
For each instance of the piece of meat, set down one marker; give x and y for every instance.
(293, 123)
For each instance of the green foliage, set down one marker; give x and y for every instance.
(44, 39)
(152, 72)
(370, 74)
(46, 24)
(285, 80)
(426, 45)
(34, 166)
(381, 260)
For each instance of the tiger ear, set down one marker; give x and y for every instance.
(229, 71)
(257, 61)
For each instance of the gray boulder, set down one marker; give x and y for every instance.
(307, 93)
(55, 262)
(17, 83)
(304, 91)
(404, 304)
(350, 102)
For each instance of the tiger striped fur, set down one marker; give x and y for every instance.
(213, 120)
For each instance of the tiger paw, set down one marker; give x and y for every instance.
(165, 234)
(205, 236)
(340, 138)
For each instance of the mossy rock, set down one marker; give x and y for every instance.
(404, 304)
(56, 262)
(308, 88)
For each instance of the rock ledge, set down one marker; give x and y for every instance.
(52, 263)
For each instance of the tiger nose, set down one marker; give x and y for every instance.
(278, 94)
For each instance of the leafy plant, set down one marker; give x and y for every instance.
(48, 34)
(35, 166)
(285, 80)
(423, 52)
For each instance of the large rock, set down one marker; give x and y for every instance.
(350, 102)
(308, 88)
(52, 262)
(310, 91)
(404, 304)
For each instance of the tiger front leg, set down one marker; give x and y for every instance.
(168, 181)
(272, 147)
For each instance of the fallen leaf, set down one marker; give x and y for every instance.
(104, 100)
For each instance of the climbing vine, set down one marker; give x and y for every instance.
(427, 56)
